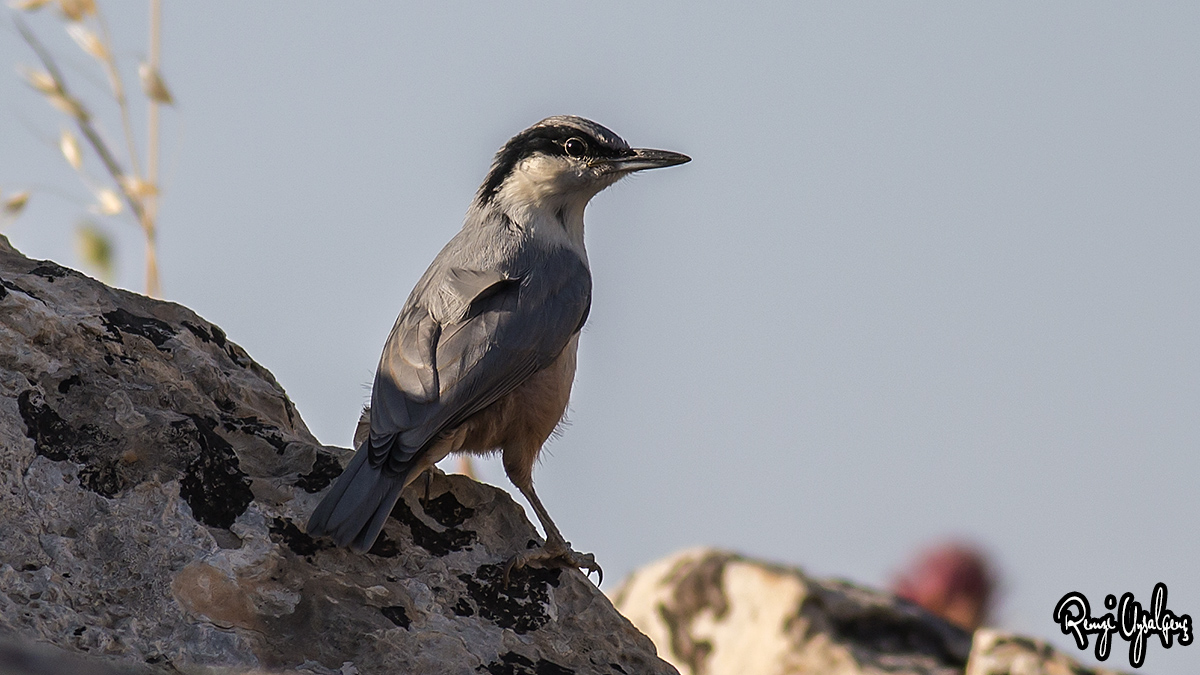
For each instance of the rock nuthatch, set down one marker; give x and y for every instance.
(482, 357)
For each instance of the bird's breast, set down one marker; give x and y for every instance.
(527, 415)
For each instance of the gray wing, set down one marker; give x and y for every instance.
(432, 377)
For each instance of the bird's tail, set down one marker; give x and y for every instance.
(354, 511)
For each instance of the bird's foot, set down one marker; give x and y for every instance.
(555, 554)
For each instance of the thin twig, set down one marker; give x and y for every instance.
(152, 154)
(83, 121)
(118, 89)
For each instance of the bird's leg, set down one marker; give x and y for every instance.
(466, 467)
(448, 442)
(556, 550)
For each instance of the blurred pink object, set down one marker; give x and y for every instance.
(953, 580)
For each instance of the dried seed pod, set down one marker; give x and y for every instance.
(88, 41)
(138, 188)
(108, 202)
(14, 204)
(95, 247)
(70, 149)
(154, 86)
(75, 10)
(29, 5)
(41, 80)
(69, 105)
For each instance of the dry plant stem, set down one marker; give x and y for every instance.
(118, 87)
(137, 202)
(151, 214)
(84, 122)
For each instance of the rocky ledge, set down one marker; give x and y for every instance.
(154, 484)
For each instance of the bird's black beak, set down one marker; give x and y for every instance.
(644, 158)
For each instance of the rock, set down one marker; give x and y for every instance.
(717, 613)
(712, 612)
(21, 658)
(154, 485)
(997, 653)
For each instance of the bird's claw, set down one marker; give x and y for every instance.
(558, 556)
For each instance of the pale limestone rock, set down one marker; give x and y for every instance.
(997, 653)
(716, 613)
(154, 485)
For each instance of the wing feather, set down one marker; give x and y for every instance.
(433, 376)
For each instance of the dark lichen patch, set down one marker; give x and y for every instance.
(239, 355)
(544, 667)
(1025, 643)
(325, 468)
(446, 510)
(104, 478)
(6, 286)
(397, 615)
(886, 633)
(215, 336)
(52, 436)
(520, 604)
(698, 586)
(285, 532)
(57, 440)
(213, 484)
(463, 608)
(256, 427)
(65, 385)
(512, 663)
(50, 271)
(120, 321)
(290, 409)
(384, 547)
(212, 334)
(438, 543)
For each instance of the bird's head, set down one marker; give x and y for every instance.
(564, 160)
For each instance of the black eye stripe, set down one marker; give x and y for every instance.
(551, 139)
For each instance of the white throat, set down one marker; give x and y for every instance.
(546, 197)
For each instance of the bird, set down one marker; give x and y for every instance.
(482, 356)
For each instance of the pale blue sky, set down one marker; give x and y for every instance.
(933, 270)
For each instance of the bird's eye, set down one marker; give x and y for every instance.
(575, 147)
